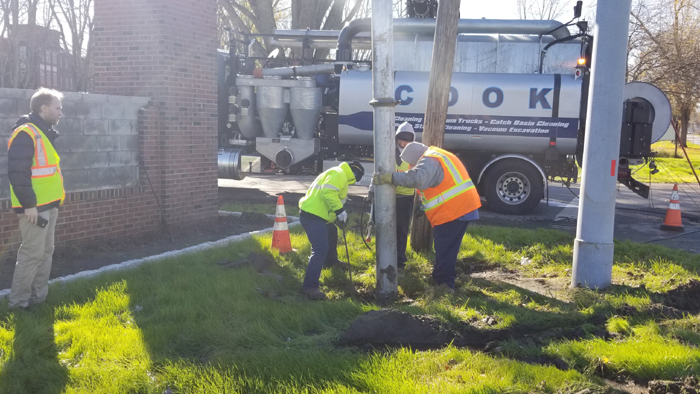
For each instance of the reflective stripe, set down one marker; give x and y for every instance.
(325, 186)
(674, 206)
(447, 195)
(41, 158)
(45, 171)
(449, 164)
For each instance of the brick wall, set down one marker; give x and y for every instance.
(166, 49)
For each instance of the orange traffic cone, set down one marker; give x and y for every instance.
(280, 231)
(673, 214)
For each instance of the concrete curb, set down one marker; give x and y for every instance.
(173, 253)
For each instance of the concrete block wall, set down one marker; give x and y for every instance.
(99, 138)
(106, 193)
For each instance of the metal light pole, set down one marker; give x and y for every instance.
(593, 247)
(384, 160)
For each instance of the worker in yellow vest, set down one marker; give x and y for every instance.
(36, 189)
(404, 195)
(320, 210)
(449, 200)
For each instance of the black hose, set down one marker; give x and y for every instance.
(362, 229)
(665, 238)
(347, 256)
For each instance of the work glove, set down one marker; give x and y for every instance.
(342, 217)
(382, 178)
(343, 200)
(31, 214)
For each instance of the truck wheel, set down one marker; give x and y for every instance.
(513, 187)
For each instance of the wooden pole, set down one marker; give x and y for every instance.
(438, 96)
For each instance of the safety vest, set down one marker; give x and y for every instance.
(455, 196)
(404, 191)
(47, 180)
(326, 195)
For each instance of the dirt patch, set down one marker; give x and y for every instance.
(73, 259)
(685, 297)
(688, 386)
(389, 327)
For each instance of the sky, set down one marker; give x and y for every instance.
(504, 9)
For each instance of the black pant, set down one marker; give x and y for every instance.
(447, 238)
(404, 212)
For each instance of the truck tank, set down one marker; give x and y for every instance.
(487, 112)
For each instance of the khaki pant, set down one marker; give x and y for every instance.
(30, 283)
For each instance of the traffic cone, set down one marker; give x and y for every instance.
(280, 231)
(673, 214)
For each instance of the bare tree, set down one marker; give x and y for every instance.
(74, 19)
(264, 16)
(671, 55)
(541, 9)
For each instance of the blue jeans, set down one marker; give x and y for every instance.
(447, 238)
(324, 248)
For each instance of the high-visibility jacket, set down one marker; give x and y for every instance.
(47, 181)
(327, 194)
(455, 196)
(404, 191)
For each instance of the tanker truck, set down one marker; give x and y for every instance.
(516, 112)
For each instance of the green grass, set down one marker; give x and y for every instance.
(192, 327)
(671, 169)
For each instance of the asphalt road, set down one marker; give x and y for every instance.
(636, 219)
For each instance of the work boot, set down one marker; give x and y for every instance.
(444, 288)
(314, 294)
(340, 264)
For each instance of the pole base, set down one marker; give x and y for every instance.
(593, 264)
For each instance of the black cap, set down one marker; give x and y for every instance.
(357, 170)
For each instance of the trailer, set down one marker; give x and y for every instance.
(516, 112)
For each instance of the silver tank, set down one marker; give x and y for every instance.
(249, 126)
(305, 106)
(487, 112)
(272, 109)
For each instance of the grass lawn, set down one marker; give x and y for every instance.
(671, 169)
(189, 326)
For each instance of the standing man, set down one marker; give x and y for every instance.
(449, 199)
(36, 188)
(404, 195)
(319, 210)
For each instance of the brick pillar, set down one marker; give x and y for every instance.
(166, 50)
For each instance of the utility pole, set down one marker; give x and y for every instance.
(436, 107)
(593, 247)
(384, 158)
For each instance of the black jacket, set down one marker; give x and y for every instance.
(19, 164)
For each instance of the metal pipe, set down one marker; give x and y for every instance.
(384, 160)
(593, 246)
(427, 26)
(295, 71)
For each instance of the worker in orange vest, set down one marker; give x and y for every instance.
(449, 200)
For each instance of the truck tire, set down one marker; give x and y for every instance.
(513, 187)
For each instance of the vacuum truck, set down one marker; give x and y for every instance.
(516, 112)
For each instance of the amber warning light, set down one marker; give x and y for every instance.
(582, 61)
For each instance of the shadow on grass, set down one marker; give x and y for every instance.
(32, 366)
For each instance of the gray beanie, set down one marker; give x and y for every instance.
(405, 132)
(413, 152)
